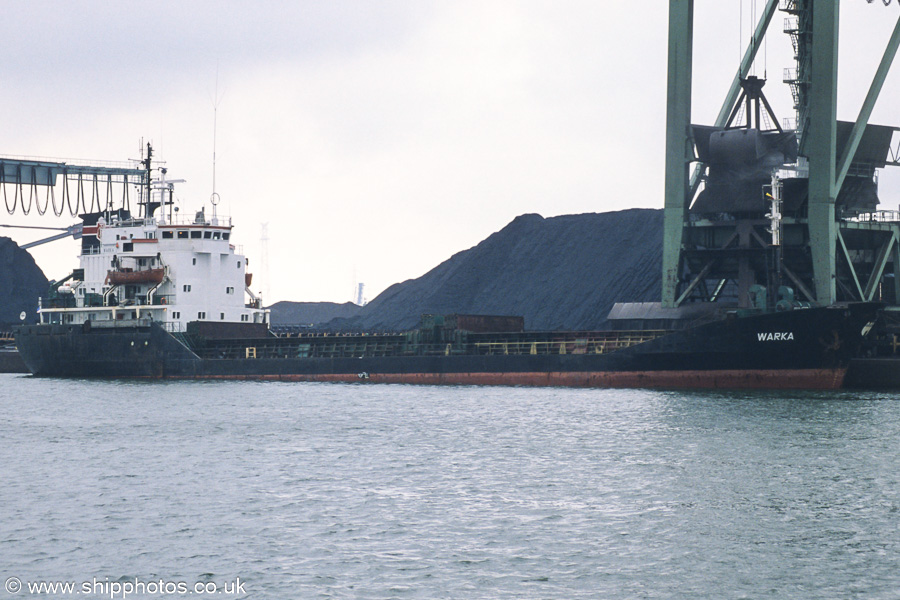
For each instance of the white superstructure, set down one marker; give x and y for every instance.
(164, 269)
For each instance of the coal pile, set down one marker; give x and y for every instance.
(559, 273)
(21, 284)
(289, 314)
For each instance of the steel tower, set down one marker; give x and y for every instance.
(830, 243)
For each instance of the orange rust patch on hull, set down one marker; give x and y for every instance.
(724, 379)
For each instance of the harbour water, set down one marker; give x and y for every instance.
(362, 491)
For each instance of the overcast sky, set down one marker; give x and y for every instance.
(378, 138)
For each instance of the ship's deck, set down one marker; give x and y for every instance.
(411, 344)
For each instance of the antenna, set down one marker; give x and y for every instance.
(264, 258)
(214, 197)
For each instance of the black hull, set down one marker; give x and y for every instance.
(804, 348)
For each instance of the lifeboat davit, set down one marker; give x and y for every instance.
(125, 276)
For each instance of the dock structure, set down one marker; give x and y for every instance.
(757, 213)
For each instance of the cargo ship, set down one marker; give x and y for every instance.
(808, 348)
(163, 296)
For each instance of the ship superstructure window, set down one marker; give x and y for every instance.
(221, 316)
(176, 315)
(182, 234)
(150, 235)
(245, 318)
(193, 261)
(196, 235)
(201, 315)
(225, 235)
(217, 235)
(229, 290)
(187, 287)
(128, 246)
(167, 235)
(239, 264)
(207, 235)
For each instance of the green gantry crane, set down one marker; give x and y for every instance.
(832, 244)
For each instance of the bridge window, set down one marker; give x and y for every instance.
(167, 235)
(207, 235)
(225, 235)
(182, 234)
(196, 235)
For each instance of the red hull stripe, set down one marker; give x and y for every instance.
(726, 379)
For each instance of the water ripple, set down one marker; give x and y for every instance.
(353, 491)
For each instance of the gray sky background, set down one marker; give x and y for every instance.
(379, 138)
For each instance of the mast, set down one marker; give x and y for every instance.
(147, 165)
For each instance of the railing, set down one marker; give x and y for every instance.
(95, 301)
(599, 343)
(359, 346)
(791, 24)
(788, 5)
(879, 216)
(186, 219)
(75, 161)
(173, 326)
(792, 75)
